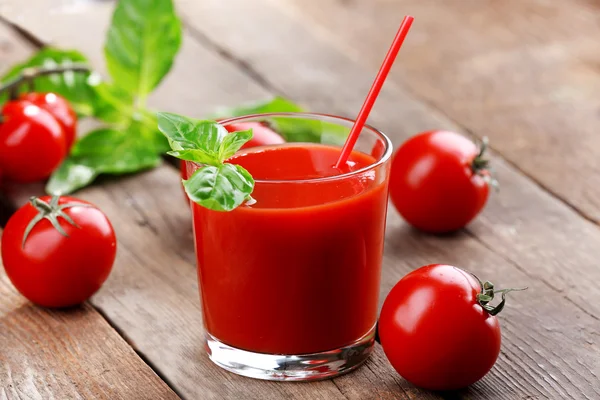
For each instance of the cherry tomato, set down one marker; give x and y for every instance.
(439, 181)
(434, 330)
(32, 142)
(378, 150)
(64, 257)
(262, 135)
(60, 109)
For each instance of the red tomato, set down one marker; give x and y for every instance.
(261, 135)
(439, 181)
(55, 269)
(32, 142)
(60, 109)
(434, 331)
(378, 150)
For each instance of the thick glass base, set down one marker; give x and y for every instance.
(303, 367)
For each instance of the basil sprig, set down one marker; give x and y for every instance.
(215, 185)
(142, 41)
(141, 44)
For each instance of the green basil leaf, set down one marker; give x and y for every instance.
(69, 177)
(113, 104)
(221, 188)
(198, 156)
(233, 142)
(116, 152)
(190, 134)
(146, 122)
(143, 39)
(178, 129)
(209, 135)
(77, 87)
(105, 151)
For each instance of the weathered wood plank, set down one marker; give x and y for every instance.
(152, 295)
(67, 354)
(523, 72)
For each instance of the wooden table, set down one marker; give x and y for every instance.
(525, 73)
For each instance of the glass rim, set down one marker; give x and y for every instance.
(316, 116)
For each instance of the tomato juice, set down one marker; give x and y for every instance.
(298, 270)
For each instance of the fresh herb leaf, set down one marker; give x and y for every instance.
(215, 185)
(143, 39)
(115, 152)
(178, 129)
(192, 134)
(199, 156)
(105, 151)
(233, 142)
(145, 121)
(221, 188)
(69, 177)
(112, 104)
(77, 87)
(195, 140)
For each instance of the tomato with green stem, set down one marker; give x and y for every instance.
(32, 142)
(439, 181)
(438, 328)
(58, 252)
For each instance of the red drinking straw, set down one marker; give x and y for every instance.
(375, 89)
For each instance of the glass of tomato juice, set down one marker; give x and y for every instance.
(289, 281)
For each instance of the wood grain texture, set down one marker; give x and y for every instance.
(67, 354)
(550, 333)
(525, 73)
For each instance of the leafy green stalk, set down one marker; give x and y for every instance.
(142, 42)
(215, 185)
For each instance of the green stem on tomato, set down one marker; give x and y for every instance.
(50, 211)
(487, 295)
(481, 164)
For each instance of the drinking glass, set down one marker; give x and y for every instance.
(290, 284)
